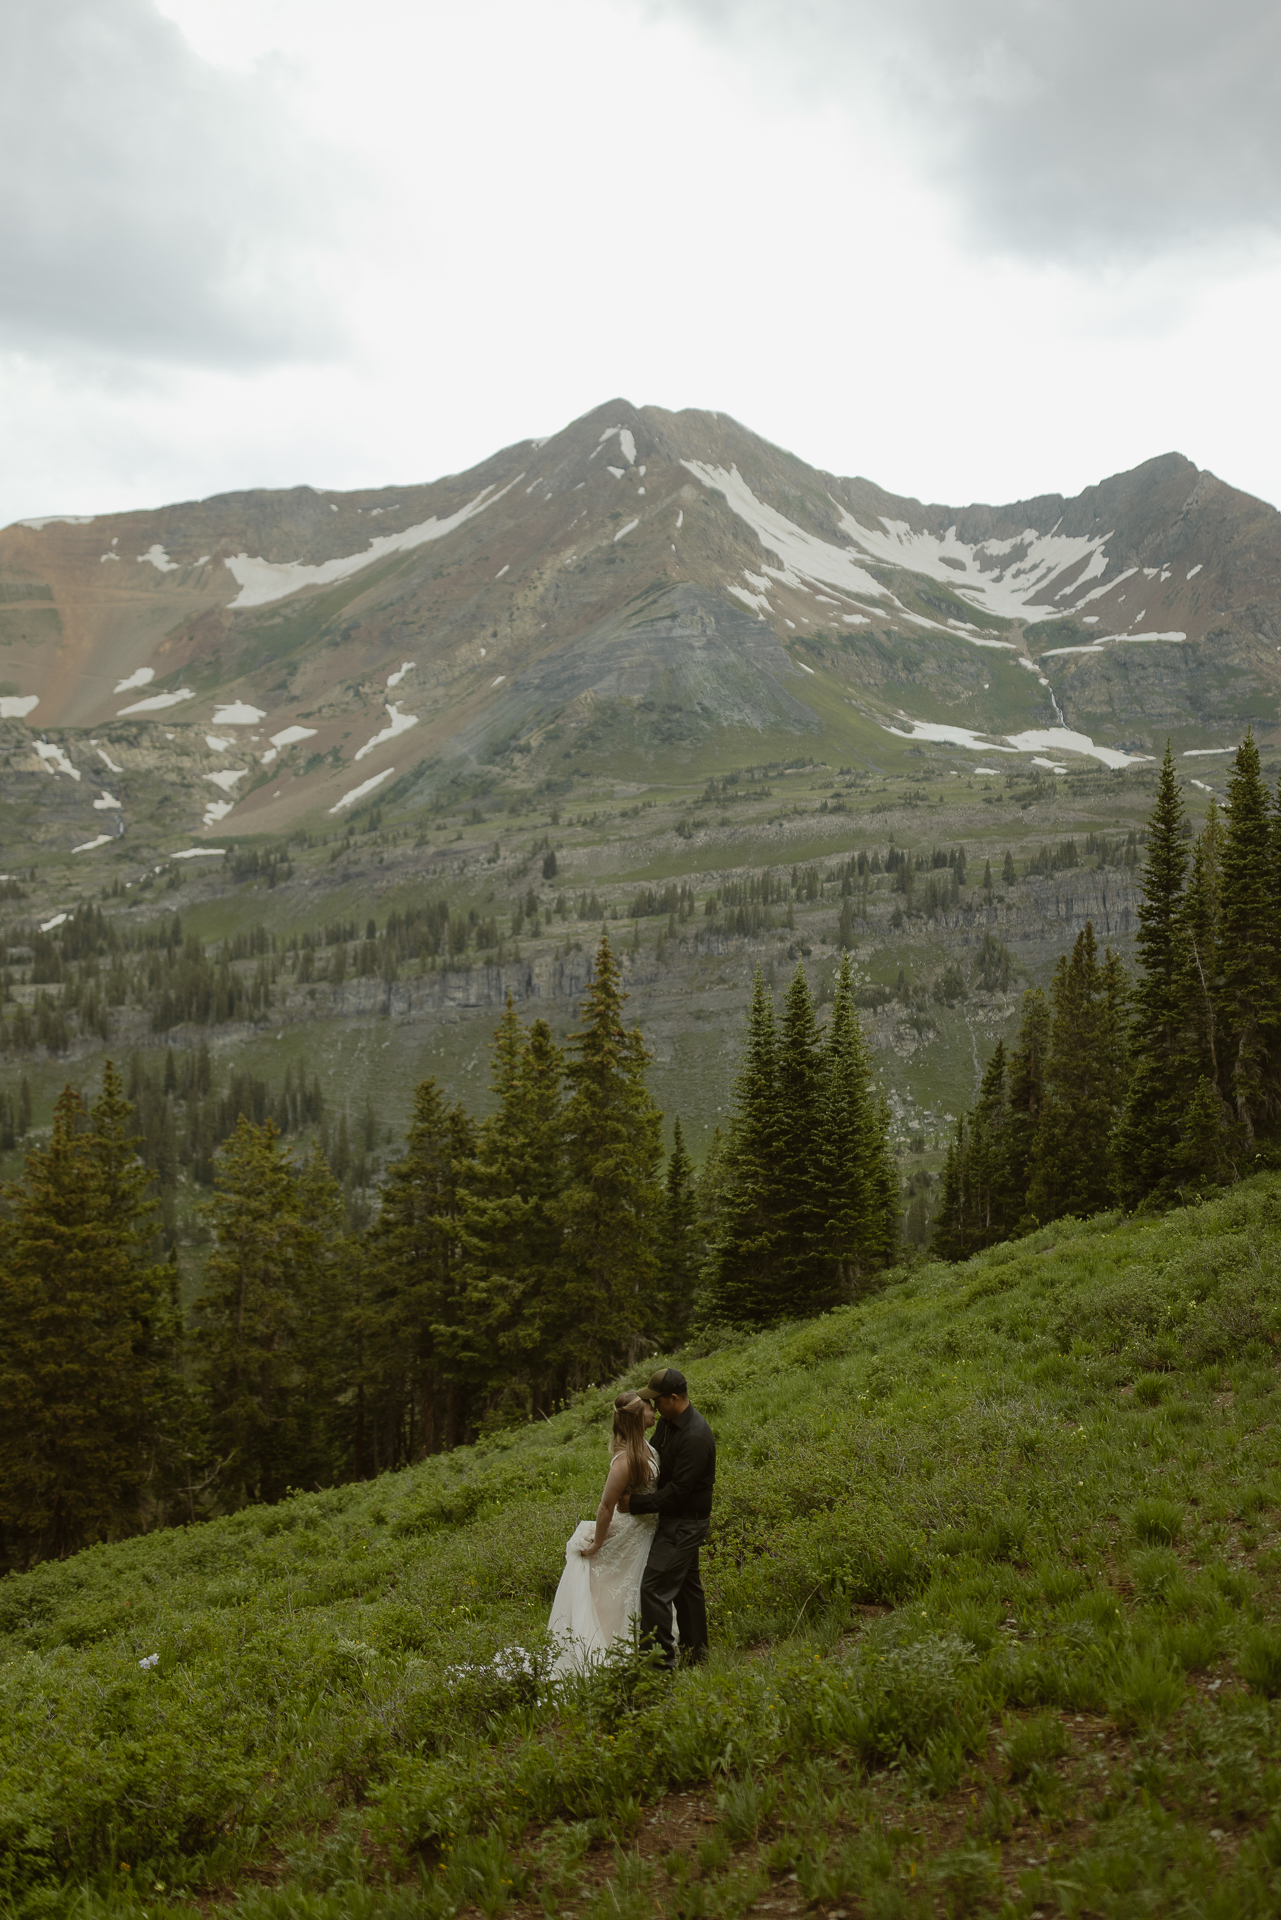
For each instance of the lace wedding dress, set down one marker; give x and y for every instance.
(596, 1598)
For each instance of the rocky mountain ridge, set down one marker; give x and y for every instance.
(642, 588)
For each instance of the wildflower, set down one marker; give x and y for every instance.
(152, 1660)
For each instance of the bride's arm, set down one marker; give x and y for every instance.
(615, 1481)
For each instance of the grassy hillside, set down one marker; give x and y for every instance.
(996, 1598)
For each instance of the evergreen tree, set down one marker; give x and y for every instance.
(1158, 1089)
(1027, 1099)
(679, 1246)
(612, 1204)
(1073, 1153)
(410, 1311)
(948, 1238)
(742, 1266)
(86, 1339)
(323, 1434)
(803, 1276)
(978, 1205)
(885, 1238)
(509, 1226)
(247, 1313)
(1248, 971)
(847, 1145)
(1199, 952)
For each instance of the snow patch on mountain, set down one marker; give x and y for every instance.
(16, 706)
(157, 702)
(1007, 578)
(55, 759)
(140, 677)
(1031, 740)
(399, 723)
(366, 786)
(262, 581)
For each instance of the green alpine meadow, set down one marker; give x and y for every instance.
(995, 1588)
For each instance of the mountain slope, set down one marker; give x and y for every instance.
(641, 584)
(994, 1593)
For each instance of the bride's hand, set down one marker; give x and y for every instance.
(587, 1552)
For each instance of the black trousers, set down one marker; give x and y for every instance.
(672, 1579)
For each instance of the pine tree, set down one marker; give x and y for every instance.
(950, 1239)
(1158, 1089)
(1073, 1170)
(248, 1310)
(885, 1239)
(742, 1266)
(509, 1225)
(325, 1376)
(978, 1204)
(995, 1204)
(1248, 984)
(1199, 953)
(804, 1281)
(1027, 1099)
(410, 1309)
(847, 1146)
(679, 1246)
(612, 1204)
(86, 1339)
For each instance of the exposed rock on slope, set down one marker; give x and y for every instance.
(640, 583)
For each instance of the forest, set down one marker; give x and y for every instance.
(494, 1270)
(508, 1266)
(1150, 1090)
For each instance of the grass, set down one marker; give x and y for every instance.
(992, 1632)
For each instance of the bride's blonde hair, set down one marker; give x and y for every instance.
(629, 1438)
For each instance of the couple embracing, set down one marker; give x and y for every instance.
(640, 1555)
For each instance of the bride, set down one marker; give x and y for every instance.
(599, 1590)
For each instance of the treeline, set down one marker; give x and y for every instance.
(508, 1264)
(1121, 1091)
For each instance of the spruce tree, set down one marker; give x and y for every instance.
(1073, 1165)
(1158, 1088)
(846, 1146)
(804, 1281)
(950, 1239)
(247, 1313)
(1248, 983)
(612, 1203)
(509, 1225)
(994, 1203)
(885, 1238)
(410, 1311)
(87, 1339)
(325, 1376)
(679, 1245)
(742, 1265)
(1199, 953)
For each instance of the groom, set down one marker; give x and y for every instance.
(682, 1500)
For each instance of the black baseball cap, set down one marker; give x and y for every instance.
(671, 1381)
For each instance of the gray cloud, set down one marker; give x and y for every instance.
(1067, 129)
(153, 205)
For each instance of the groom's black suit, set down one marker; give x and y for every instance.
(682, 1499)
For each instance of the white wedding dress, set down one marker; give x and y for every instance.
(596, 1598)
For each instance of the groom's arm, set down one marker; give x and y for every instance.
(688, 1461)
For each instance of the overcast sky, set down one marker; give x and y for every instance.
(971, 253)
